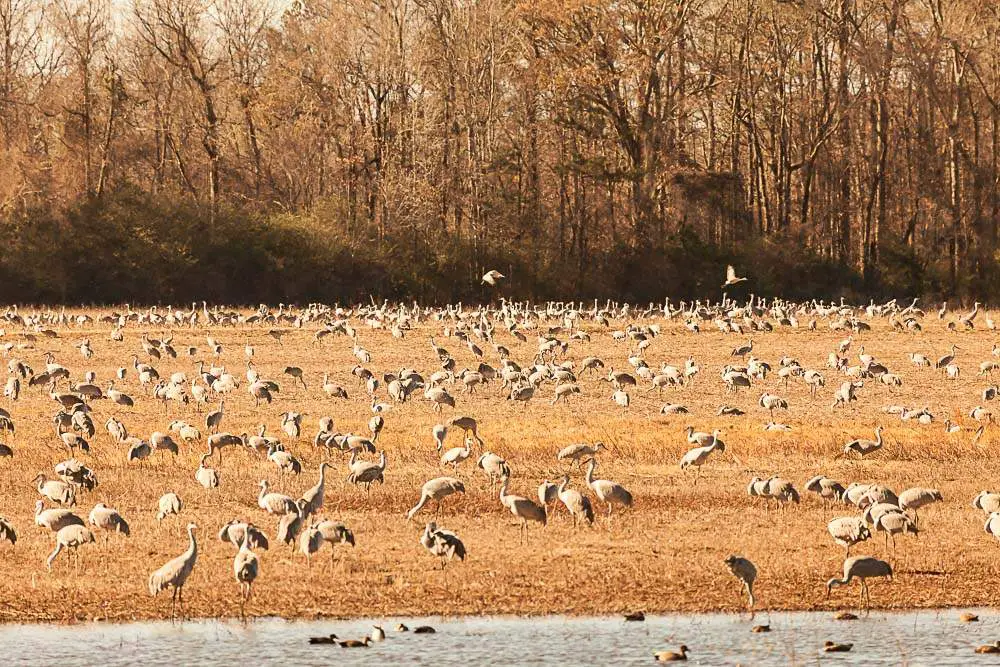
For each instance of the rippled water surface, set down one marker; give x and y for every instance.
(913, 638)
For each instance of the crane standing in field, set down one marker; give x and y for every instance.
(746, 572)
(174, 574)
(861, 568)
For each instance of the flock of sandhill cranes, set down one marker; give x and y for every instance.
(474, 331)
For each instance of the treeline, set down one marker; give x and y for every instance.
(166, 150)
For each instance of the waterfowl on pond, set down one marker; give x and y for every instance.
(401, 628)
(968, 617)
(329, 639)
(424, 630)
(834, 647)
(671, 656)
(635, 616)
(989, 648)
(760, 628)
(354, 643)
(845, 616)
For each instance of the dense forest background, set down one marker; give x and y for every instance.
(165, 150)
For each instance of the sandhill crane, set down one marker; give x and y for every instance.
(169, 503)
(214, 418)
(746, 572)
(895, 523)
(246, 566)
(698, 456)
(174, 574)
(742, 350)
(218, 441)
(274, 503)
(261, 391)
(770, 402)
(162, 441)
(491, 277)
(574, 453)
(782, 491)
(621, 398)
(365, 472)
(758, 488)
(7, 531)
(674, 409)
(987, 502)
(206, 476)
(456, 455)
(118, 397)
(731, 277)
(700, 438)
(235, 532)
(436, 489)
(296, 373)
(74, 441)
(547, 493)
(494, 466)
(439, 432)
(846, 394)
(291, 424)
(564, 391)
(915, 498)
(864, 447)
(55, 519)
(826, 488)
(861, 568)
(442, 543)
(467, 424)
(946, 360)
(620, 379)
(138, 450)
(848, 531)
(608, 492)
(291, 524)
(70, 537)
(108, 519)
(992, 525)
(314, 497)
(57, 491)
(285, 460)
(523, 508)
(439, 396)
(577, 504)
(310, 541)
(332, 389)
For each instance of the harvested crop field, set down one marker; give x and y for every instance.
(664, 553)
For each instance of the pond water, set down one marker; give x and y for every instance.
(796, 638)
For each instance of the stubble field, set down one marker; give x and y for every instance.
(665, 553)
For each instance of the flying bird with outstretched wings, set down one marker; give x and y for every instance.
(731, 278)
(491, 277)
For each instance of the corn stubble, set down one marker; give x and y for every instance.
(665, 553)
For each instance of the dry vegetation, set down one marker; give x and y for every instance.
(665, 553)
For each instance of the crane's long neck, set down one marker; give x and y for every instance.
(563, 483)
(590, 473)
(193, 546)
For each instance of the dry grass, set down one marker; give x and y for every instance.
(665, 553)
